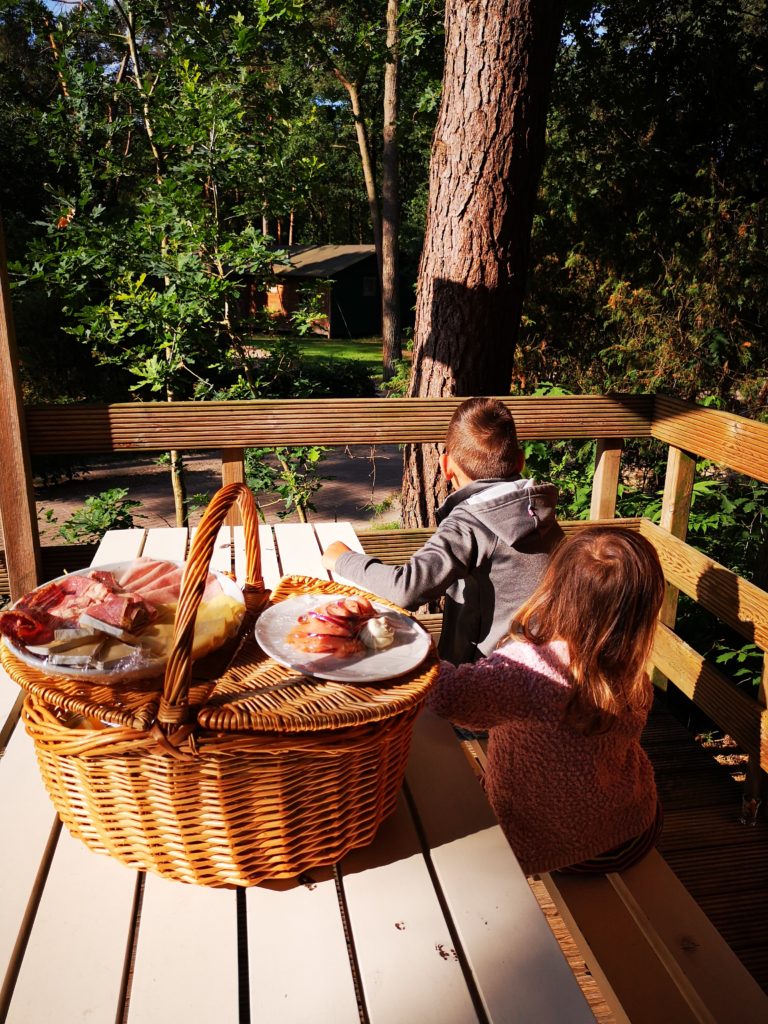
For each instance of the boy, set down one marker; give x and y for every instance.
(491, 545)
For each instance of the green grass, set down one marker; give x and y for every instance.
(359, 350)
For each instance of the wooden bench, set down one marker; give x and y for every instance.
(655, 955)
(433, 922)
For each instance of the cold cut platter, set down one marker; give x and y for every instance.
(115, 622)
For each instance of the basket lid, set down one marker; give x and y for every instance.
(258, 693)
(132, 703)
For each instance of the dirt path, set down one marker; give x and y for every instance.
(355, 483)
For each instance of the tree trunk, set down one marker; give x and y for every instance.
(486, 161)
(178, 481)
(179, 488)
(390, 203)
(365, 159)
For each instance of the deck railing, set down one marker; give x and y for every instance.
(689, 432)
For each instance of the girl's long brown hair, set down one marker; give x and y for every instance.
(601, 593)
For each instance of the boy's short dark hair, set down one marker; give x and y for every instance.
(482, 440)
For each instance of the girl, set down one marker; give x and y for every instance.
(565, 698)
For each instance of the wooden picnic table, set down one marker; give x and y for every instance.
(433, 922)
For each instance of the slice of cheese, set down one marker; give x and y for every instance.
(83, 655)
(72, 634)
(157, 638)
(114, 651)
(59, 645)
(105, 627)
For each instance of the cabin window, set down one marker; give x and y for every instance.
(369, 286)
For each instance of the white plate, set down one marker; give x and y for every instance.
(143, 669)
(411, 644)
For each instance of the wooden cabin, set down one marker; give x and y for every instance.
(348, 278)
(718, 859)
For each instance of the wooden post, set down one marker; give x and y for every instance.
(675, 510)
(754, 783)
(17, 501)
(233, 472)
(605, 486)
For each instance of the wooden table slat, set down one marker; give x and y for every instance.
(27, 818)
(221, 560)
(186, 932)
(299, 550)
(499, 922)
(166, 542)
(270, 567)
(299, 967)
(410, 970)
(74, 963)
(119, 546)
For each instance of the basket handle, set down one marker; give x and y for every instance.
(174, 707)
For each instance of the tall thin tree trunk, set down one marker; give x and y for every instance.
(144, 91)
(179, 488)
(390, 203)
(365, 159)
(178, 481)
(178, 478)
(486, 161)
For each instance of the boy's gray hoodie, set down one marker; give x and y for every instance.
(487, 555)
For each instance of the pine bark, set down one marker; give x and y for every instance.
(486, 161)
(390, 203)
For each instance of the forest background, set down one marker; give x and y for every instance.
(156, 156)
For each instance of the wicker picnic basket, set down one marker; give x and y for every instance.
(259, 773)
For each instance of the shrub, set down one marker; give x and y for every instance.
(109, 510)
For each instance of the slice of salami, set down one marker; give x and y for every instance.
(24, 628)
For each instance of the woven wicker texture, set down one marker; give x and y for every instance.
(257, 693)
(236, 804)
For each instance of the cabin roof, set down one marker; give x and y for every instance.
(323, 260)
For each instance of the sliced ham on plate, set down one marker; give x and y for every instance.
(332, 628)
(159, 582)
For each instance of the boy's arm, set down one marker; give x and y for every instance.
(446, 557)
(331, 554)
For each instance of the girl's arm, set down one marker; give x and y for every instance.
(482, 694)
(520, 680)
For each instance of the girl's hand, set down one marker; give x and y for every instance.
(332, 552)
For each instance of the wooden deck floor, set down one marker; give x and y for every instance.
(722, 863)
